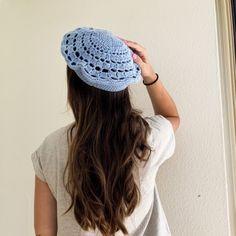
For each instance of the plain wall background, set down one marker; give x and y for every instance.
(180, 37)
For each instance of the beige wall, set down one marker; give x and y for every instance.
(181, 39)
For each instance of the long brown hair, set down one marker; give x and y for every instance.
(109, 134)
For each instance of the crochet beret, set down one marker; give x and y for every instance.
(100, 58)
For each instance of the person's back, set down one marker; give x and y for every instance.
(97, 174)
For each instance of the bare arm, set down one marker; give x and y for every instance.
(162, 102)
(45, 210)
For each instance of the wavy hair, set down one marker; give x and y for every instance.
(110, 137)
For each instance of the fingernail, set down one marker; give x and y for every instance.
(134, 56)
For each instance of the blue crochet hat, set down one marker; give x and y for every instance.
(100, 59)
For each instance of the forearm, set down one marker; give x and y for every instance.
(162, 102)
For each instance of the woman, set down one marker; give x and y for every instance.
(96, 175)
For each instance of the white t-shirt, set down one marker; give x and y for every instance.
(148, 219)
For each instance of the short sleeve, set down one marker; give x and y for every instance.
(37, 165)
(163, 138)
(49, 158)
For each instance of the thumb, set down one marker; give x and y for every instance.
(138, 59)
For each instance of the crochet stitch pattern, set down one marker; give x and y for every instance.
(100, 58)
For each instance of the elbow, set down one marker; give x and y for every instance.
(178, 122)
(45, 232)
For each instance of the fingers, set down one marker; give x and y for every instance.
(121, 38)
(136, 48)
(138, 60)
(133, 45)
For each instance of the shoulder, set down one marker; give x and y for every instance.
(45, 157)
(46, 154)
(57, 133)
(54, 137)
(53, 143)
(158, 122)
(161, 127)
(163, 136)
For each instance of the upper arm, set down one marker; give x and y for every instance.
(45, 209)
(175, 121)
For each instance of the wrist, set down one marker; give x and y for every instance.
(150, 78)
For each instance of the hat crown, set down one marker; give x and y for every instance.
(99, 58)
